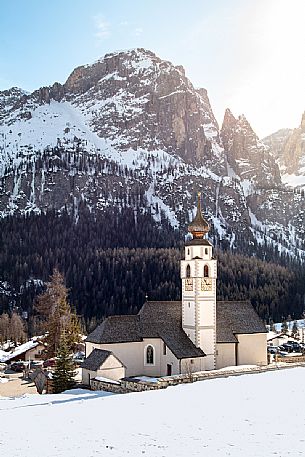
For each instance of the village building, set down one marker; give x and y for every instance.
(173, 337)
(28, 351)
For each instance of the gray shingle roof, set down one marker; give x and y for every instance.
(117, 329)
(236, 317)
(95, 359)
(163, 319)
(155, 320)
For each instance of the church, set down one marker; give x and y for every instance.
(174, 337)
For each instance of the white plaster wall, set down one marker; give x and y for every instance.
(207, 313)
(188, 312)
(252, 349)
(132, 355)
(111, 373)
(112, 368)
(209, 362)
(193, 365)
(225, 355)
(207, 340)
(87, 375)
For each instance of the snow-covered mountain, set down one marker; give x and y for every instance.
(288, 146)
(131, 130)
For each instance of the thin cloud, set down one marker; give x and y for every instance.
(138, 31)
(103, 27)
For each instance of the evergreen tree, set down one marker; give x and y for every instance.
(63, 377)
(295, 330)
(284, 327)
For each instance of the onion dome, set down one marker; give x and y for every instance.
(199, 226)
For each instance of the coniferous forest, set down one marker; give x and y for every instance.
(113, 259)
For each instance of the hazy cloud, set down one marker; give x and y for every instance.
(138, 31)
(103, 27)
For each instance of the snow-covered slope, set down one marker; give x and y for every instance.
(132, 128)
(288, 146)
(234, 417)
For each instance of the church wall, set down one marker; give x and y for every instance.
(132, 355)
(112, 368)
(189, 366)
(252, 349)
(225, 355)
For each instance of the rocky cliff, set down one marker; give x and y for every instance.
(288, 146)
(131, 130)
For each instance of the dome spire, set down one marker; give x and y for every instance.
(199, 226)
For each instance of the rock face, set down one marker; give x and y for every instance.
(131, 130)
(288, 146)
(248, 157)
(144, 102)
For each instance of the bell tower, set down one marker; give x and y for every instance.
(199, 274)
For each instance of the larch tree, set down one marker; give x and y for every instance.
(57, 315)
(17, 329)
(4, 328)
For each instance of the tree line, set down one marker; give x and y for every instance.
(113, 260)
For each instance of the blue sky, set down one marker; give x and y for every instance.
(248, 54)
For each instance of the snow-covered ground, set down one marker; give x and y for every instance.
(250, 415)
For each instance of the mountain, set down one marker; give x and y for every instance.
(132, 131)
(288, 147)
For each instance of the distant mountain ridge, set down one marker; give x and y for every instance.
(131, 130)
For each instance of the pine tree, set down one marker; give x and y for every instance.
(63, 377)
(284, 327)
(295, 330)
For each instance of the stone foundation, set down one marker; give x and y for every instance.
(128, 385)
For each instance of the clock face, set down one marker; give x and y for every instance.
(206, 284)
(188, 284)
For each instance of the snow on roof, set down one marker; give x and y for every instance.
(6, 356)
(110, 381)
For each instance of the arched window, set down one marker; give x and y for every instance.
(206, 251)
(149, 355)
(188, 252)
(206, 271)
(188, 271)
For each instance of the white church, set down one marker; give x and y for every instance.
(173, 337)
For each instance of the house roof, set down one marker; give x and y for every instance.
(19, 350)
(96, 359)
(155, 320)
(236, 317)
(163, 319)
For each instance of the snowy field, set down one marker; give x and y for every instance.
(258, 415)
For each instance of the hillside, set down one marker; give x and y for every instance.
(131, 129)
(113, 158)
(113, 259)
(228, 416)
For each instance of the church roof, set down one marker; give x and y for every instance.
(95, 359)
(162, 319)
(155, 320)
(236, 317)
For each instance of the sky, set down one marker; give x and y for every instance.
(248, 54)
